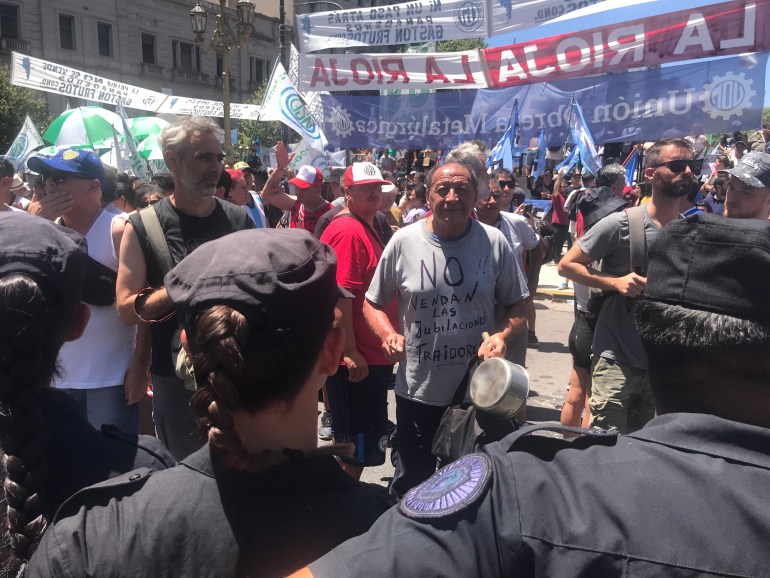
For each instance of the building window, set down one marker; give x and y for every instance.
(219, 65)
(66, 32)
(185, 56)
(9, 21)
(148, 48)
(259, 71)
(104, 35)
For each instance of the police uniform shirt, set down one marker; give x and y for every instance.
(689, 494)
(79, 455)
(198, 519)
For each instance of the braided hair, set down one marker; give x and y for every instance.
(239, 366)
(33, 326)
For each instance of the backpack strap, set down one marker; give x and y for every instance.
(511, 439)
(637, 240)
(156, 239)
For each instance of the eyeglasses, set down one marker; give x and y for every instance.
(679, 166)
(503, 184)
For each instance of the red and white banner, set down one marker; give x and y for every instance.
(720, 29)
(342, 72)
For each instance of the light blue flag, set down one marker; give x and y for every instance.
(630, 165)
(503, 146)
(583, 142)
(540, 159)
(507, 148)
(570, 161)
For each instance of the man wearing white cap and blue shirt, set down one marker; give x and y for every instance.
(308, 205)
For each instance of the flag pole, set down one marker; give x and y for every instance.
(625, 162)
(569, 123)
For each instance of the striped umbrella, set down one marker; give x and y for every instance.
(144, 126)
(83, 126)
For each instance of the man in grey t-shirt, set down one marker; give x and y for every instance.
(621, 396)
(448, 273)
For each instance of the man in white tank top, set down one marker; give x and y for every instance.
(100, 369)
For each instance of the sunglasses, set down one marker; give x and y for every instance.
(679, 166)
(503, 184)
(59, 178)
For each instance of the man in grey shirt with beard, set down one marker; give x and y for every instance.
(621, 396)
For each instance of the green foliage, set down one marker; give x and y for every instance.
(444, 45)
(269, 132)
(460, 45)
(765, 115)
(15, 104)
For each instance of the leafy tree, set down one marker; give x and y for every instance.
(460, 45)
(268, 132)
(16, 103)
(448, 45)
(765, 115)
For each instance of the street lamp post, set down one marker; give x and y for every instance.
(223, 40)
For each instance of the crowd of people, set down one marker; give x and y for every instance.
(241, 298)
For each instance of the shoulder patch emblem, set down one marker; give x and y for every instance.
(450, 490)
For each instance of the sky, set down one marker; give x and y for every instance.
(619, 11)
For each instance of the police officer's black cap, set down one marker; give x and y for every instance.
(286, 275)
(52, 255)
(595, 204)
(714, 264)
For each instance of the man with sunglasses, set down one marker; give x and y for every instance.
(102, 370)
(748, 188)
(621, 396)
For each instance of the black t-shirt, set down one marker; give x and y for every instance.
(542, 188)
(184, 233)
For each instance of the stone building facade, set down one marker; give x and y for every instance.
(147, 43)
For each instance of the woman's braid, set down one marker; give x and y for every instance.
(28, 349)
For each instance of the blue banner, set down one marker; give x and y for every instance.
(704, 97)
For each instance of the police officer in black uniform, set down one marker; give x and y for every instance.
(259, 499)
(49, 450)
(687, 495)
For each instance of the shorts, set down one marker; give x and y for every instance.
(581, 337)
(360, 413)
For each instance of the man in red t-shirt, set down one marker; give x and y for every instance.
(308, 205)
(358, 391)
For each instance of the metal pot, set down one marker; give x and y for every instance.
(499, 387)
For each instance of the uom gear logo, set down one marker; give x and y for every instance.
(727, 95)
(294, 110)
(469, 15)
(18, 147)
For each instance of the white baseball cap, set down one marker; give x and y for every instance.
(363, 174)
(307, 177)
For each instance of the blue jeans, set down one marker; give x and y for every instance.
(107, 405)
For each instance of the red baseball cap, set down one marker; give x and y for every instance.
(307, 177)
(363, 174)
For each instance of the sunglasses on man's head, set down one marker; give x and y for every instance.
(679, 166)
(503, 184)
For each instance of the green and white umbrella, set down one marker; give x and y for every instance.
(83, 126)
(143, 126)
(149, 149)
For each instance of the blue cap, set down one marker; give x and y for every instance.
(82, 161)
